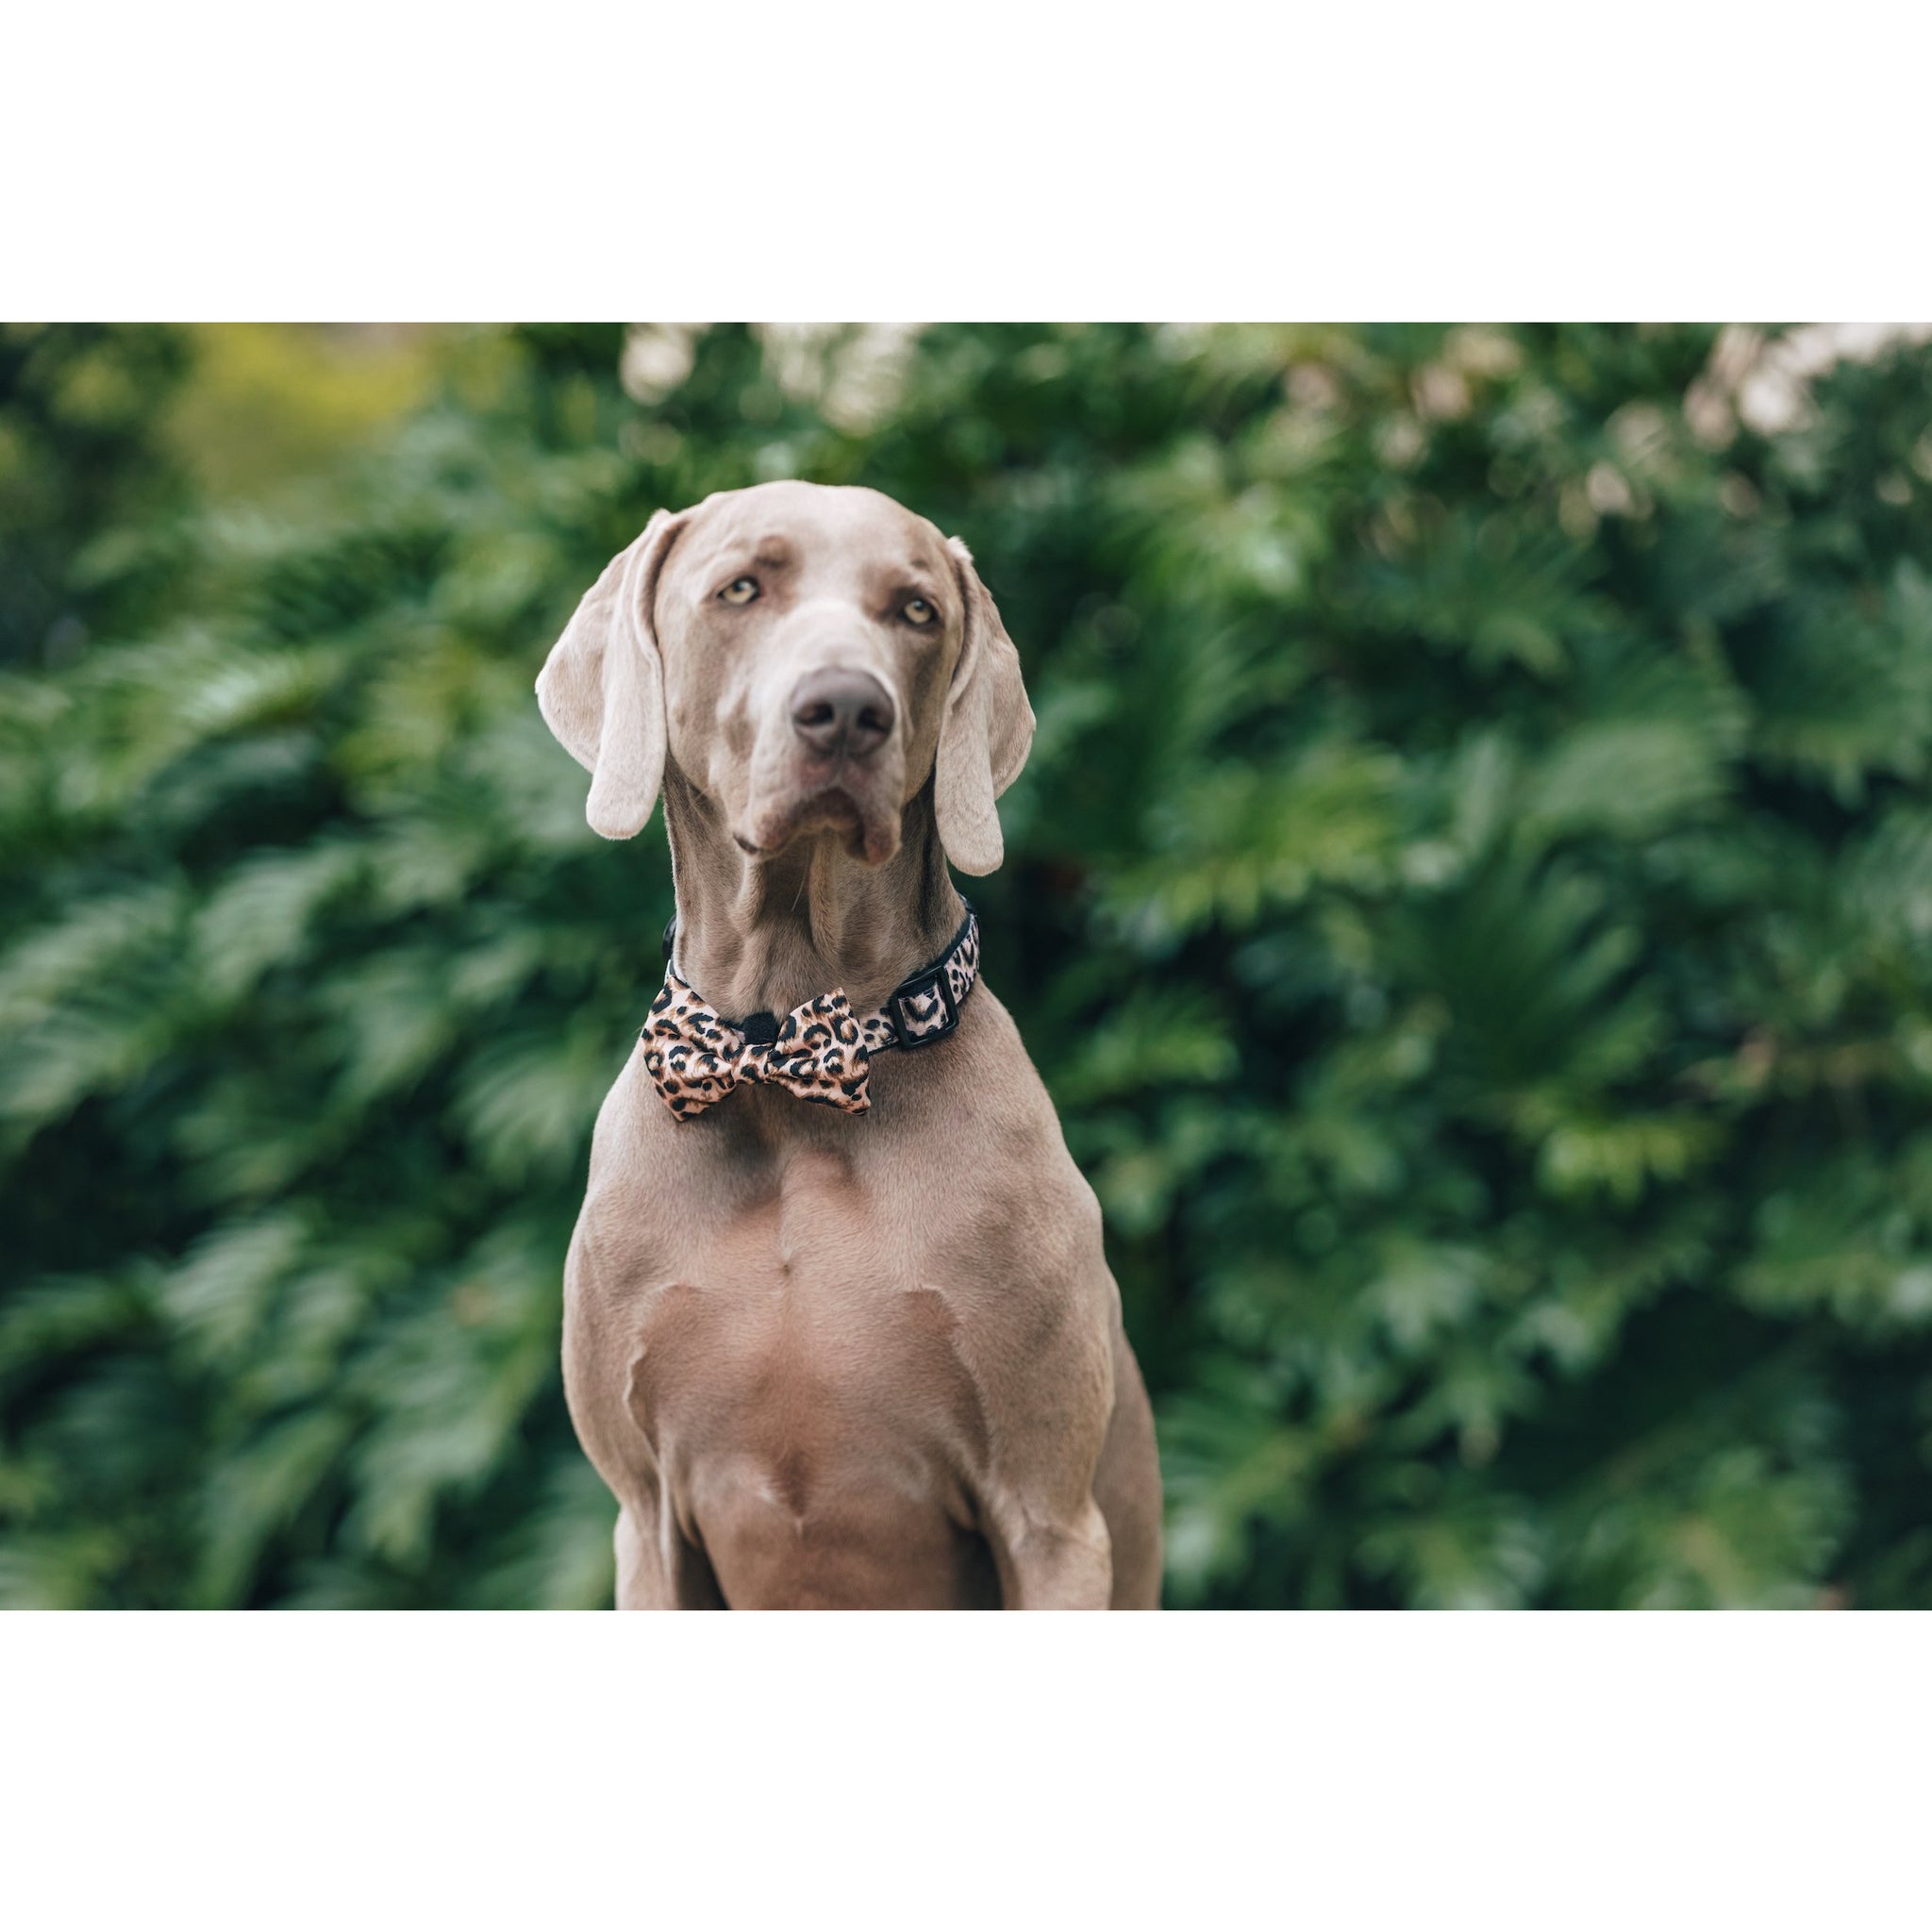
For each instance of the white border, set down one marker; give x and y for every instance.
(1327, 1770)
(1219, 162)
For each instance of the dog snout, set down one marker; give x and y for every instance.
(842, 713)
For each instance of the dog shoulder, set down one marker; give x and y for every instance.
(1021, 1211)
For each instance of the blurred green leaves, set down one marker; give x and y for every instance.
(1471, 899)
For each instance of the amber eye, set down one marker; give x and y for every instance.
(919, 611)
(740, 591)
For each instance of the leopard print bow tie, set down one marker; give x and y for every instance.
(821, 1050)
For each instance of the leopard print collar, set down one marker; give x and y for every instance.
(821, 1050)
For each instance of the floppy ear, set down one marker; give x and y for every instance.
(602, 688)
(986, 730)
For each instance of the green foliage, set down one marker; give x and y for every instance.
(1472, 899)
(85, 481)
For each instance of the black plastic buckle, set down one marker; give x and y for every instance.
(932, 980)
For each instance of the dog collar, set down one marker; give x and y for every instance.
(821, 1050)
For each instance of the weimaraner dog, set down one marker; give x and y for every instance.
(838, 1331)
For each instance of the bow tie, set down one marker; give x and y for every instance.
(696, 1058)
(821, 1050)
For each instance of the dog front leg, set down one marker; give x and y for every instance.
(1053, 1561)
(654, 1577)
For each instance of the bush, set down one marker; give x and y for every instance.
(1471, 899)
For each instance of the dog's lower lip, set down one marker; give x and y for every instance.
(823, 797)
(834, 808)
(829, 809)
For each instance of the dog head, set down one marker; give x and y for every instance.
(809, 657)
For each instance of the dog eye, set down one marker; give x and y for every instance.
(740, 591)
(919, 611)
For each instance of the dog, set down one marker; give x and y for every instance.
(838, 1331)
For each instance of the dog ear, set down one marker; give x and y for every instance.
(985, 733)
(602, 688)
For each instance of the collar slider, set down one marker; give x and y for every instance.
(923, 1009)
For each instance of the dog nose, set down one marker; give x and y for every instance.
(846, 713)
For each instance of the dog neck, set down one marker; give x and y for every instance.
(764, 935)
